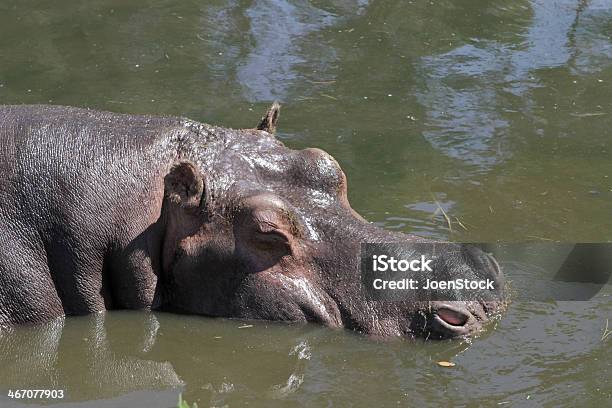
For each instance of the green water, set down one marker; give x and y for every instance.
(500, 112)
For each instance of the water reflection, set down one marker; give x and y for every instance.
(469, 91)
(590, 39)
(216, 362)
(279, 30)
(108, 355)
(84, 358)
(281, 45)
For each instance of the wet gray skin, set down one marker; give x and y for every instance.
(171, 214)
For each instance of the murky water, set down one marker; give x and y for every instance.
(499, 112)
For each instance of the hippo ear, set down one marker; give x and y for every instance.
(268, 121)
(184, 185)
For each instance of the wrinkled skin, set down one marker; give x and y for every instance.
(105, 211)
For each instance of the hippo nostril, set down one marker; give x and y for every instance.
(452, 317)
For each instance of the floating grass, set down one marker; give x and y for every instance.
(607, 332)
(444, 214)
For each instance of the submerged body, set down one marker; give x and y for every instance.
(105, 211)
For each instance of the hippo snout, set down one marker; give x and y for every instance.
(451, 319)
(456, 319)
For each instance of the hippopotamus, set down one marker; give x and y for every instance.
(104, 211)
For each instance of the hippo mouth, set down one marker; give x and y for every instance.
(454, 321)
(452, 317)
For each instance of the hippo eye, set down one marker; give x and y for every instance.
(265, 230)
(270, 240)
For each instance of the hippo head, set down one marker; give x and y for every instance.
(256, 230)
